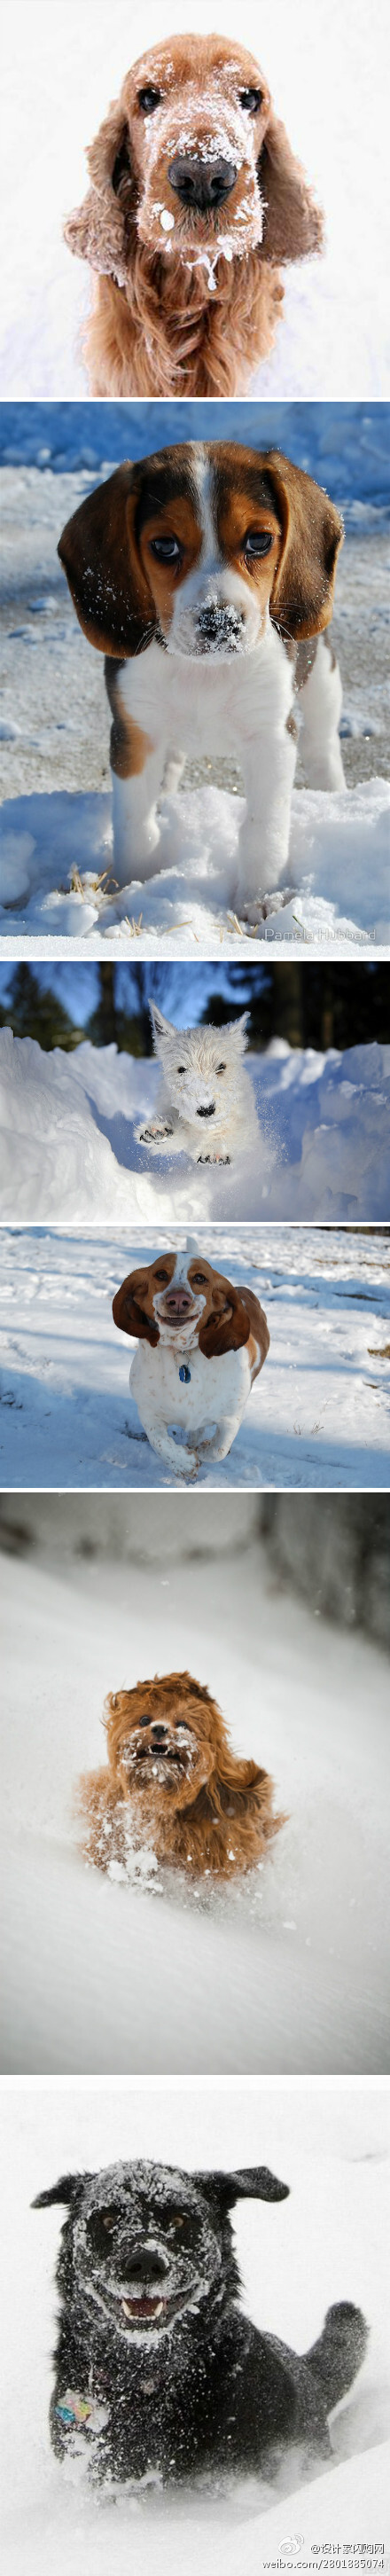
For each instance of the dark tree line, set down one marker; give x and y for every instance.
(318, 1006)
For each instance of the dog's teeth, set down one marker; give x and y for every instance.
(126, 2309)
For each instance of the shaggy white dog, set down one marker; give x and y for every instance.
(205, 1104)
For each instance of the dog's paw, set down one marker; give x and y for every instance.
(151, 1135)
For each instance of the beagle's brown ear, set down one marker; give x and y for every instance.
(128, 1314)
(99, 229)
(228, 1327)
(312, 532)
(293, 224)
(99, 552)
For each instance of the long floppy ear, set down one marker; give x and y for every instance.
(293, 224)
(255, 2183)
(228, 1330)
(68, 2189)
(129, 1315)
(97, 230)
(99, 552)
(312, 533)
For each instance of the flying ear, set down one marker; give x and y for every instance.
(292, 221)
(128, 1314)
(97, 230)
(312, 533)
(256, 2183)
(228, 1329)
(68, 2190)
(99, 552)
(162, 1028)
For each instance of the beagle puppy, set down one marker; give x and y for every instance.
(201, 1343)
(205, 574)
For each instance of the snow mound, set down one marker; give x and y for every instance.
(61, 847)
(69, 1151)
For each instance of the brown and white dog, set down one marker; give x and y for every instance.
(196, 201)
(206, 575)
(201, 1343)
(173, 1782)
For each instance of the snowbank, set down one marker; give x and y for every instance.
(286, 1971)
(318, 1415)
(339, 873)
(68, 1148)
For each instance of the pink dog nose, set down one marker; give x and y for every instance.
(178, 1300)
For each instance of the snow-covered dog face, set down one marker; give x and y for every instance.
(211, 554)
(200, 1067)
(144, 2243)
(187, 133)
(163, 1740)
(197, 546)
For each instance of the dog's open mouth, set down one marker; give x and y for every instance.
(145, 2306)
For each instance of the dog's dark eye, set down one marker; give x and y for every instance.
(166, 549)
(164, 1275)
(180, 1068)
(144, 1719)
(258, 542)
(251, 98)
(221, 1068)
(100, 2227)
(199, 1279)
(148, 99)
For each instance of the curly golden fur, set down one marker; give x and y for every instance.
(173, 1782)
(187, 299)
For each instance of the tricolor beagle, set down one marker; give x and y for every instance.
(206, 575)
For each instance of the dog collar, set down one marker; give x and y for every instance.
(185, 1374)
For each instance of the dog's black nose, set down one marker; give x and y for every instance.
(207, 1113)
(158, 1735)
(145, 2264)
(201, 184)
(216, 621)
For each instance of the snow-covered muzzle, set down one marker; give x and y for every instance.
(159, 1752)
(200, 197)
(215, 613)
(144, 2251)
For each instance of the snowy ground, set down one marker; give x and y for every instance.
(335, 2155)
(60, 70)
(55, 741)
(318, 1415)
(68, 1150)
(284, 1972)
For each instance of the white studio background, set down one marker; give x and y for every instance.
(327, 69)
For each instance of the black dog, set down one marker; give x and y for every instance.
(158, 2375)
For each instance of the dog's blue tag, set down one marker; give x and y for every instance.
(185, 1375)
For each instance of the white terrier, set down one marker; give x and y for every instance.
(203, 1080)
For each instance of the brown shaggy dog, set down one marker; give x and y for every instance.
(173, 1782)
(196, 200)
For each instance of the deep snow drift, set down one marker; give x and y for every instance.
(56, 860)
(319, 1415)
(68, 1148)
(60, 71)
(284, 1971)
(325, 2242)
